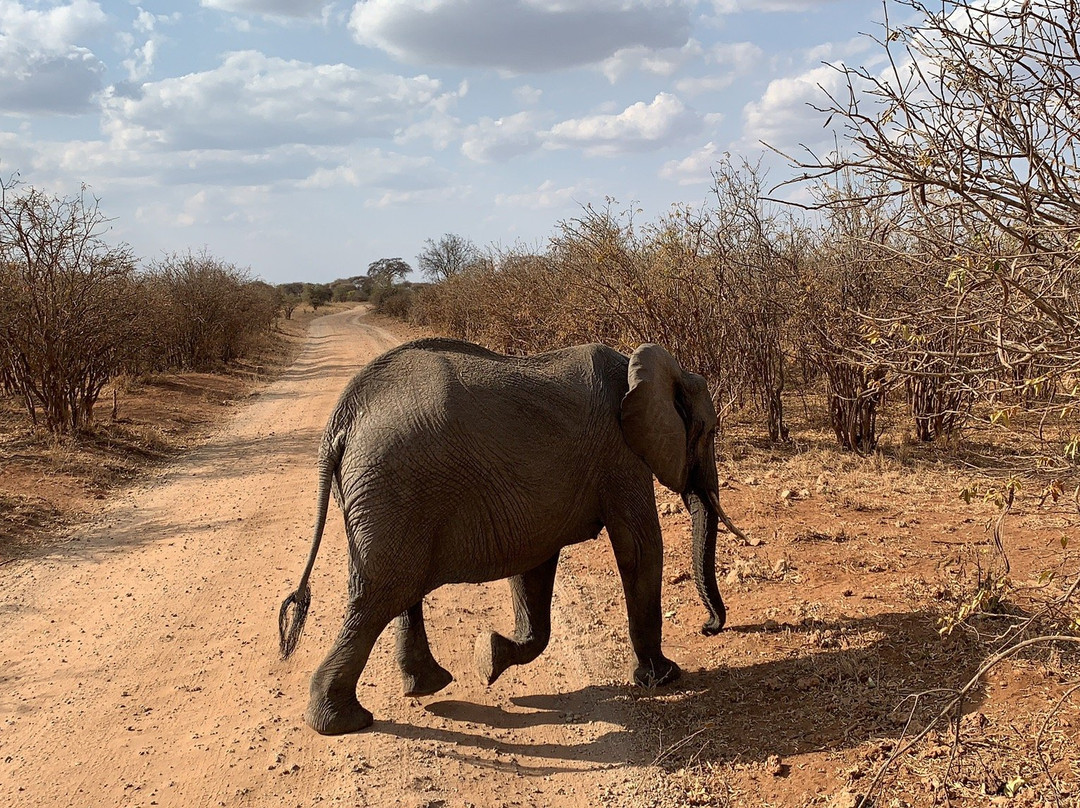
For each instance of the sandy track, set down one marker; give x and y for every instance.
(138, 662)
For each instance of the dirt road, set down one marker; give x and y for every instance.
(139, 666)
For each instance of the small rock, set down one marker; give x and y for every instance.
(741, 570)
(750, 481)
(845, 799)
(774, 766)
(781, 566)
(787, 495)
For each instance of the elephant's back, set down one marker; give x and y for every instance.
(432, 373)
(489, 443)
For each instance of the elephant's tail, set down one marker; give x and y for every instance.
(291, 629)
(291, 621)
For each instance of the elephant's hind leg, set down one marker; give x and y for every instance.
(420, 673)
(333, 708)
(531, 592)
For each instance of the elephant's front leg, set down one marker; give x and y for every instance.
(531, 593)
(640, 559)
(420, 673)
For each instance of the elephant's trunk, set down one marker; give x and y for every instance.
(705, 519)
(702, 498)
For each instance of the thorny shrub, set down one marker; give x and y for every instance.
(67, 305)
(75, 312)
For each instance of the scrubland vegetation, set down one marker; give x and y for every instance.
(937, 261)
(76, 312)
(928, 281)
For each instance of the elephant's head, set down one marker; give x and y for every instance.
(669, 421)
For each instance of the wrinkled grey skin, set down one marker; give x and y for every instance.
(453, 464)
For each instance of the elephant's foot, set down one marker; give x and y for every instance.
(494, 653)
(426, 681)
(490, 655)
(653, 674)
(337, 716)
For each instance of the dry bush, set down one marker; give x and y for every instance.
(201, 313)
(968, 141)
(67, 305)
(74, 312)
(394, 300)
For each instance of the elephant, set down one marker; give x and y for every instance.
(455, 464)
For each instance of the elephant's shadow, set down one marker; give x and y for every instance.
(821, 699)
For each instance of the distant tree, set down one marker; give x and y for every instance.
(446, 257)
(291, 296)
(317, 294)
(289, 302)
(347, 289)
(365, 284)
(386, 271)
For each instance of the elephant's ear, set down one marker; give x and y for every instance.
(651, 423)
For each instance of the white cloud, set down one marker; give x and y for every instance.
(702, 85)
(517, 35)
(658, 62)
(783, 117)
(375, 168)
(412, 199)
(54, 30)
(741, 57)
(44, 65)
(639, 127)
(141, 61)
(439, 126)
(254, 101)
(42, 83)
(496, 140)
(269, 8)
(101, 161)
(735, 59)
(244, 206)
(696, 167)
(528, 96)
(548, 195)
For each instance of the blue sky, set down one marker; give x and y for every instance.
(307, 139)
